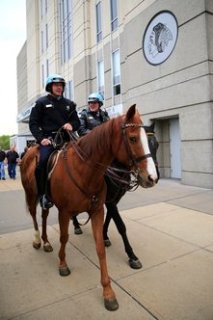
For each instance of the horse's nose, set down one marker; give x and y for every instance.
(152, 179)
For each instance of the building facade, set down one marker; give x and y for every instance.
(155, 53)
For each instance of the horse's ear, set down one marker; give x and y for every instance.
(131, 112)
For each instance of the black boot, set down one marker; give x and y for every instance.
(41, 185)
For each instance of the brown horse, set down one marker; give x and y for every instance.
(77, 183)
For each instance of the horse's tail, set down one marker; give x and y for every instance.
(28, 179)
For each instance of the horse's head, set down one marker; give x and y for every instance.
(136, 149)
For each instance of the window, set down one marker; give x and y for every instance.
(46, 34)
(98, 22)
(114, 14)
(69, 90)
(42, 75)
(47, 67)
(66, 29)
(42, 41)
(101, 77)
(43, 8)
(46, 6)
(116, 71)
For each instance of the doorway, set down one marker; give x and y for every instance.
(175, 145)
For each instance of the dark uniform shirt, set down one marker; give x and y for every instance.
(90, 120)
(49, 114)
(12, 156)
(2, 155)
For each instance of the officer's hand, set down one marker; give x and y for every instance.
(46, 142)
(67, 126)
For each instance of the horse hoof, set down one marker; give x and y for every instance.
(78, 231)
(47, 247)
(107, 243)
(135, 264)
(111, 304)
(64, 271)
(36, 245)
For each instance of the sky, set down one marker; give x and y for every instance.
(12, 38)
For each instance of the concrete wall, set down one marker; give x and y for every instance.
(180, 87)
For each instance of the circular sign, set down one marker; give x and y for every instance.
(160, 37)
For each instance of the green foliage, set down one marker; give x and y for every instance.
(5, 142)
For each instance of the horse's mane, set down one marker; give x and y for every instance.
(99, 138)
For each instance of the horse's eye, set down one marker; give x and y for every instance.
(133, 139)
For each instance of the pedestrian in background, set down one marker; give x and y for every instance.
(23, 153)
(12, 160)
(2, 159)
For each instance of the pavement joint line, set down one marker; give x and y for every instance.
(136, 300)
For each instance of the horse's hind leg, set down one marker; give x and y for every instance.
(46, 245)
(37, 239)
(110, 301)
(134, 262)
(77, 228)
(108, 218)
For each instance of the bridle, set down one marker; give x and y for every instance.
(133, 162)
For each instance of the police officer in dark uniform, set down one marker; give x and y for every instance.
(50, 113)
(93, 115)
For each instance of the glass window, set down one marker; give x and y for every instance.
(66, 30)
(46, 34)
(116, 70)
(69, 90)
(114, 14)
(42, 41)
(47, 67)
(101, 77)
(41, 8)
(98, 22)
(42, 76)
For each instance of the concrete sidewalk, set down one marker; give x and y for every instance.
(170, 228)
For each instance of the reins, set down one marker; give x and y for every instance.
(111, 171)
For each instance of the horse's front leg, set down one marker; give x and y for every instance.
(97, 220)
(134, 262)
(64, 219)
(46, 245)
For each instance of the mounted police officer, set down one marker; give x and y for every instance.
(49, 114)
(93, 115)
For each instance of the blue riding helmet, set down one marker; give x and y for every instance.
(53, 78)
(96, 97)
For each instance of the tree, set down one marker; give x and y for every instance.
(5, 142)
